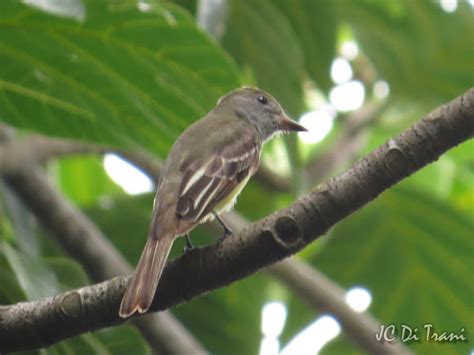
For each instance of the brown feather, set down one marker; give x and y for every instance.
(203, 182)
(220, 176)
(141, 289)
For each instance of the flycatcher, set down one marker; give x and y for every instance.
(207, 167)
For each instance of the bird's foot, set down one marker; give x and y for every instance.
(188, 246)
(227, 233)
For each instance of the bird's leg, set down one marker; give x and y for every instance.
(189, 246)
(227, 230)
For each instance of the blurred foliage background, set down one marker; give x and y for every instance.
(135, 75)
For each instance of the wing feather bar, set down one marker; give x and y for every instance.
(204, 187)
(192, 178)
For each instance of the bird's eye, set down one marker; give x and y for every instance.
(262, 99)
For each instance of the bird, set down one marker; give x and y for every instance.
(206, 169)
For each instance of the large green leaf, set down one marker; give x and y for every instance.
(19, 223)
(69, 272)
(121, 76)
(35, 278)
(259, 37)
(10, 292)
(123, 340)
(423, 52)
(315, 24)
(414, 254)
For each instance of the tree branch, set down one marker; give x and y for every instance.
(323, 294)
(264, 242)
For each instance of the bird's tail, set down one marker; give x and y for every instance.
(142, 287)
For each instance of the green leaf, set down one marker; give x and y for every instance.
(123, 76)
(36, 280)
(259, 36)
(315, 24)
(424, 53)
(124, 339)
(119, 340)
(21, 224)
(414, 254)
(69, 273)
(10, 292)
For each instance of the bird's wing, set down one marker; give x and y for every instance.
(206, 183)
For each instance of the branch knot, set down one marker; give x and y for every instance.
(71, 304)
(395, 159)
(287, 232)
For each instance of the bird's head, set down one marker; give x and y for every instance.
(261, 110)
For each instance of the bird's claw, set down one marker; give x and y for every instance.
(227, 233)
(188, 247)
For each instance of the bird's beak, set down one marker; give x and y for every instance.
(288, 125)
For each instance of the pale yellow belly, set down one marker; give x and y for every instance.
(227, 203)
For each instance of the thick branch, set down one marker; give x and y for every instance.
(265, 242)
(324, 295)
(79, 237)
